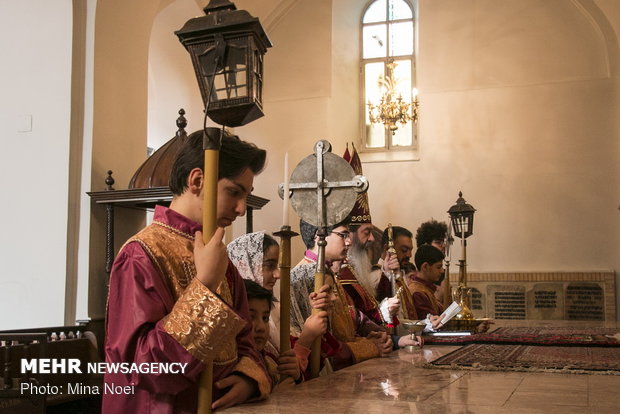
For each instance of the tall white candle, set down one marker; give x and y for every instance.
(286, 191)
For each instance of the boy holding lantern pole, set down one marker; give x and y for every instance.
(173, 298)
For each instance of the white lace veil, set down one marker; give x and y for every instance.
(246, 253)
(302, 284)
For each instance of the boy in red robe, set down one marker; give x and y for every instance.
(429, 261)
(173, 299)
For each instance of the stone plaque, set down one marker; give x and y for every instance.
(478, 303)
(584, 301)
(546, 301)
(476, 299)
(508, 301)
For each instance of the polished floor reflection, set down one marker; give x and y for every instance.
(399, 384)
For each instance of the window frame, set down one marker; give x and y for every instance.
(388, 152)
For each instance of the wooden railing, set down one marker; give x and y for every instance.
(32, 392)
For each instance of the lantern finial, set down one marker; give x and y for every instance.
(217, 5)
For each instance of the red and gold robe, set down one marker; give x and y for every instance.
(346, 344)
(159, 312)
(357, 295)
(424, 300)
(384, 290)
(351, 326)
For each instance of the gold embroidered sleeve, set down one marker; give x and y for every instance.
(201, 322)
(251, 369)
(363, 349)
(272, 369)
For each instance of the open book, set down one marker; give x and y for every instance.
(450, 312)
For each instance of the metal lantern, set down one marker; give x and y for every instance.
(227, 47)
(462, 217)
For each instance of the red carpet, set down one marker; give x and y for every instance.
(536, 336)
(565, 359)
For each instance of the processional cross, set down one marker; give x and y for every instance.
(323, 189)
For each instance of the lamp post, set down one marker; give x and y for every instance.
(227, 47)
(462, 219)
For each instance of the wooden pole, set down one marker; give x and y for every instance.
(392, 252)
(285, 293)
(284, 264)
(319, 281)
(209, 224)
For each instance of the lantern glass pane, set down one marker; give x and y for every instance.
(231, 81)
(459, 225)
(242, 78)
(257, 76)
(256, 87)
(207, 63)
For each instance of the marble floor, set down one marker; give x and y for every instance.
(399, 384)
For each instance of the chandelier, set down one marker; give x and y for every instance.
(392, 108)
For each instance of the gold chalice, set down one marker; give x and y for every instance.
(414, 327)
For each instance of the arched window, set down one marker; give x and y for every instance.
(388, 75)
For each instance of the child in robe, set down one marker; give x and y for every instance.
(290, 364)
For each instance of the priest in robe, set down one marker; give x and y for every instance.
(391, 266)
(353, 337)
(355, 276)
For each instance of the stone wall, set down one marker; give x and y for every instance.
(543, 295)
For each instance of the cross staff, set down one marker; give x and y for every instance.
(393, 275)
(391, 252)
(324, 215)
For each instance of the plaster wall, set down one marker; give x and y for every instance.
(35, 111)
(519, 111)
(518, 104)
(120, 86)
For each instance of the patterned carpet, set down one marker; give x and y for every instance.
(607, 337)
(565, 359)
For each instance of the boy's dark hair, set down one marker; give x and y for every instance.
(308, 231)
(397, 231)
(427, 254)
(255, 291)
(268, 241)
(429, 231)
(235, 156)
